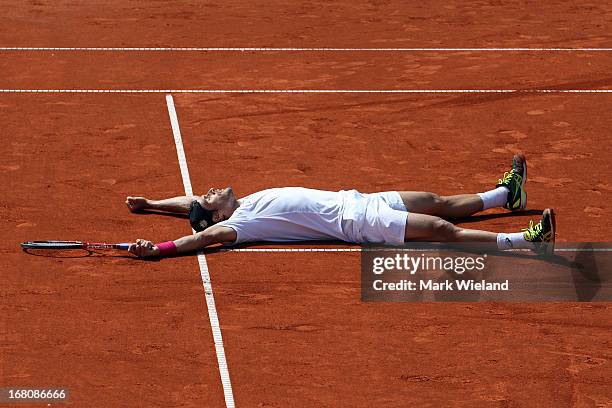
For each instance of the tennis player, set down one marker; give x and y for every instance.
(301, 214)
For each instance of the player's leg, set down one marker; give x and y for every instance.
(539, 237)
(454, 206)
(179, 205)
(423, 227)
(509, 192)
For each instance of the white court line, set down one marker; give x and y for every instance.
(389, 250)
(311, 91)
(208, 291)
(303, 49)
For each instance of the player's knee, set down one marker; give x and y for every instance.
(437, 202)
(441, 202)
(444, 230)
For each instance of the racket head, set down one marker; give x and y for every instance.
(55, 249)
(51, 245)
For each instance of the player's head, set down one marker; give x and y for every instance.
(213, 207)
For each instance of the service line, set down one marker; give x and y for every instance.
(305, 49)
(312, 91)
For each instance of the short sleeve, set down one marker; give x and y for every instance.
(240, 225)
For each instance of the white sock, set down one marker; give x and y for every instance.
(515, 240)
(494, 198)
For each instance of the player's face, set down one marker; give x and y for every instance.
(218, 199)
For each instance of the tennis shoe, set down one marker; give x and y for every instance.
(542, 234)
(514, 180)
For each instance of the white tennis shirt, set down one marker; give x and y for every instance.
(289, 214)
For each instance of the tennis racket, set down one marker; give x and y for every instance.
(65, 245)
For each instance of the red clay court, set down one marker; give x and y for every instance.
(372, 95)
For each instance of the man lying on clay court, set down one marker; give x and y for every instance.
(301, 214)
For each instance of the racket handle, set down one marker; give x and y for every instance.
(124, 246)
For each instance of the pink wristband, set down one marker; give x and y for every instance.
(167, 248)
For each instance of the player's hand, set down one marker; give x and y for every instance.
(143, 248)
(136, 203)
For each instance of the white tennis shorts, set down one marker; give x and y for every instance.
(374, 218)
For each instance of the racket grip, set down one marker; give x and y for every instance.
(124, 246)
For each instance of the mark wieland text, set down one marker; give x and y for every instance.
(440, 286)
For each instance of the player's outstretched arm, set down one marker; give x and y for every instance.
(178, 205)
(210, 236)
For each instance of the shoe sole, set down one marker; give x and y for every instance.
(549, 247)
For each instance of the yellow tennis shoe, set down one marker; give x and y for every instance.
(514, 180)
(542, 234)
